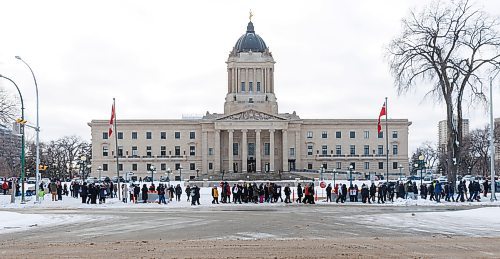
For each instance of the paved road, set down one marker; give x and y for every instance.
(229, 222)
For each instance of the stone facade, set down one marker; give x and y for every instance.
(251, 136)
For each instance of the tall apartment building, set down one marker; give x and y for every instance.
(443, 132)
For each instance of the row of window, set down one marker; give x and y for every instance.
(163, 151)
(352, 150)
(149, 135)
(352, 134)
(163, 167)
(250, 87)
(366, 166)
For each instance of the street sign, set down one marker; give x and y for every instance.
(322, 184)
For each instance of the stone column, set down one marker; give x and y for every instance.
(217, 152)
(271, 150)
(254, 80)
(244, 150)
(298, 162)
(230, 149)
(285, 150)
(258, 165)
(204, 151)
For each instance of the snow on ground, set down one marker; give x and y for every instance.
(13, 221)
(474, 222)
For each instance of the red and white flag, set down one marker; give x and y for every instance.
(112, 120)
(382, 113)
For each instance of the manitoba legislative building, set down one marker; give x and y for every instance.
(251, 137)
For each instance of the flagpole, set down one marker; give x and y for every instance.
(387, 139)
(118, 189)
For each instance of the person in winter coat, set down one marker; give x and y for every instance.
(430, 190)
(365, 194)
(84, 192)
(380, 197)
(373, 190)
(215, 195)
(461, 196)
(137, 191)
(486, 186)
(144, 193)
(339, 195)
(188, 192)
(178, 192)
(299, 193)
(5, 187)
(437, 191)
(161, 194)
(415, 191)
(53, 190)
(102, 194)
(287, 194)
(329, 193)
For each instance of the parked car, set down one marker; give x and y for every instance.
(91, 180)
(115, 179)
(443, 179)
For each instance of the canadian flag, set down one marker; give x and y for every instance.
(112, 120)
(382, 113)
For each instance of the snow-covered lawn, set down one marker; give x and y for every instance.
(13, 221)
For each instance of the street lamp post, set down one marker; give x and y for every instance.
(334, 174)
(197, 170)
(99, 169)
(400, 171)
(350, 174)
(180, 173)
(321, 173)
(168, 174)
(152, 168)
(83, 160)
(37, 129)
(422, 166)
(21, 129)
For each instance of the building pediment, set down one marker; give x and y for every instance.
(251, 115)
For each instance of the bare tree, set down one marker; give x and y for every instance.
(454, 47)
(8, 108)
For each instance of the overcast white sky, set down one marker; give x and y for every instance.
(162, 59)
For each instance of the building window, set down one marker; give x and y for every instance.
(192, 135)
(352, 149)
(324, 150)
(134, 167)
(177, 135)
(366, 150)
(352, 134)
(104, 135)
(394, 165)
(105, 167)
(353, 164)
(309, 166)
(267, 149)
(394, 134)
(380, 165)
(148, 151)
(163, 151)
(309, 150)
(177, 166)
(366, 134)
(381, 134)
(134, 151)
(192, 151)
(163, 167)
(309, 134)
(210, 151)
(338, 150)
(251, 149)
(243, 86)
(120, 151)
(120, 135)
(250, 86)
(235, 149)
(324, 134)
(394, 149)
(134, 135)
(120, 167)
(163, 135)
(380, 149)
(292, 151)
(338, 134)
(210, 166)
(105, 151)
(258, 87)
(149, 135)
(177, 150)
(148, 167)
(367, 165)
(338, 165)
(192, 166)
(325, 166)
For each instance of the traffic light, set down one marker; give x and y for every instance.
(21, 121)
